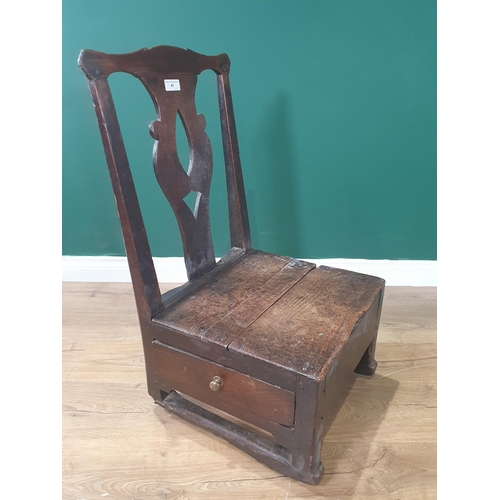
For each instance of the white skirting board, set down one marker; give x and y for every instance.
(171, 269)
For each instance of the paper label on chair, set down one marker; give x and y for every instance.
(172, 85)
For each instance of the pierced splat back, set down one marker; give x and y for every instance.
(276, 334)
(154, 68)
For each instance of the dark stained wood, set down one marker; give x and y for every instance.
(307, 328)
(179, 293)
(177, 370)
(208, 305)
(367, 364)
(261, 370)
(160, 60)
(152, 67)
(239, 224)
(142, 270)
(283, 335)
(341, 371)
(175, 183)
(309, 426)
(235, 322)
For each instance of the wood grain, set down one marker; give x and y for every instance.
(308, 327)
(117, 444)
(152, 67)
(190, 374)
(210, 304)
(233, 324)
(316, 326)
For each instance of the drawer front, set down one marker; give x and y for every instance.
(238, 394)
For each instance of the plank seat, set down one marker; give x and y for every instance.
(280, 310)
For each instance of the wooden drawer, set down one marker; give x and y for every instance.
(239, 395)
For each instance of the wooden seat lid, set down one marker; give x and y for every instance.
(307, 328)
(278, 309)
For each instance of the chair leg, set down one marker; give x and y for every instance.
(367, 364)
(306, 460)
(308, 434)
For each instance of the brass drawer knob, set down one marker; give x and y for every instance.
(216, 384)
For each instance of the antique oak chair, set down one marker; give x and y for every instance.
(265, 338)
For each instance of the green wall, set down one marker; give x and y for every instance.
(335, 104)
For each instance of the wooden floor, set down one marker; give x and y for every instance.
(118, 444)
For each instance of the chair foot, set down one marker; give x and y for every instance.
(367, 369)
(367, 365)
(310, 477)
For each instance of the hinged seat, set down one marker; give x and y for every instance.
(265, 338)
